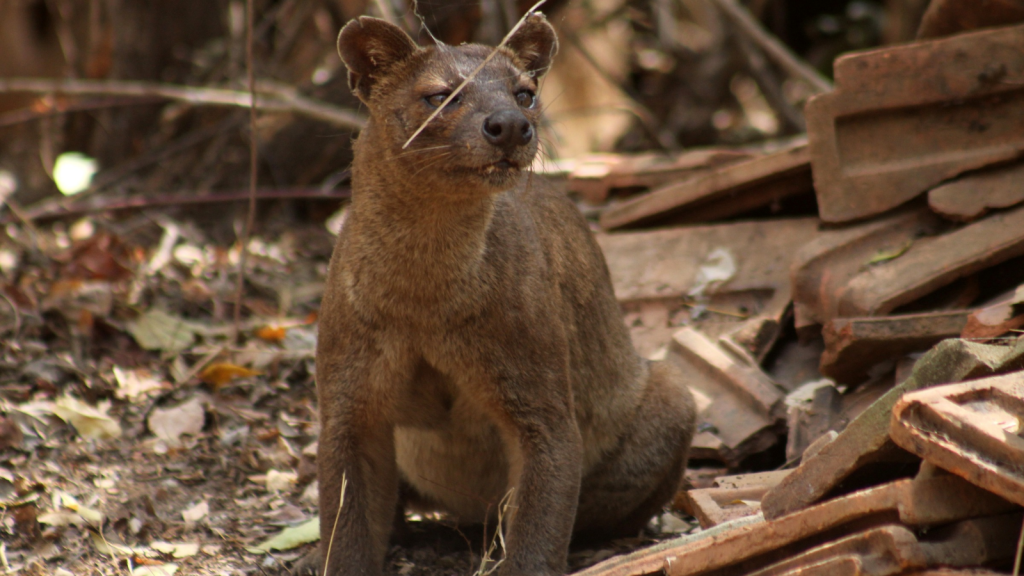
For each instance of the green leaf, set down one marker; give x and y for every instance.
(289, 538)
(886, 255)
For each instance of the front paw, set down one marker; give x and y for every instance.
(308, 565)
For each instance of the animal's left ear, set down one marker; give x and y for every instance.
(535, 44)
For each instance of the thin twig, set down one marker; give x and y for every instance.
(116, 173)
(473, 74)
(293, 103)
(184, 198)
(792, 119)
(386, 12)
(771, 45)
(17, 315)
(251, 213)
(20, 214)
(29, 113)
(202, 363)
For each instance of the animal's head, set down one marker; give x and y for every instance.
(487, 134)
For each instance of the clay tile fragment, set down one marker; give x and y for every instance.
(746, 545)
(972, 429)
(903, 119)
(720, 191)
(972, 195)
(865, 441)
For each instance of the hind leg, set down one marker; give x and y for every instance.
(619, 496)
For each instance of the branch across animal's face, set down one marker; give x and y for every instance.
(487, 132)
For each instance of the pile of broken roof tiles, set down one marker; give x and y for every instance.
(878, 342)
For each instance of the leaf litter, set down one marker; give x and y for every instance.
(136, 418)
(148, 440)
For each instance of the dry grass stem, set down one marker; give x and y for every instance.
(337, 515)
(473, 74)
(497, 541)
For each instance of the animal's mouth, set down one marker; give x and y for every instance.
(503, 165)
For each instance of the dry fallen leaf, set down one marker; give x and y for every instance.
(155, 570)
(278, 481)
(996, 319)
(71, 296)
(103, 545)
(68, 502)
(272, 333)
(169, 424)
(222, 373)
(196, 513)
(100, 257)
(178, 550)
(91, 422)
(60, 518)
(134, 384)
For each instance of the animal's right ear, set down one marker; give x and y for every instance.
(369, 47)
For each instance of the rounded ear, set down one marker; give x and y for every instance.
(534, 44)
(369, 47)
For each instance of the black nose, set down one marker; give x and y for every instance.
(508, 128)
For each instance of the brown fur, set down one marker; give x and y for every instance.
(470, 342)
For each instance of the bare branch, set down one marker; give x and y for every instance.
(771, 45)
(278, 102)
(250, 217)
(386, 12)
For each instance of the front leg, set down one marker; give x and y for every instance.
(529, 396)
(356, 449)
(546, 457)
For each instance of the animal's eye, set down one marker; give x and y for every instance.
(526, 98)
(436, 100)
